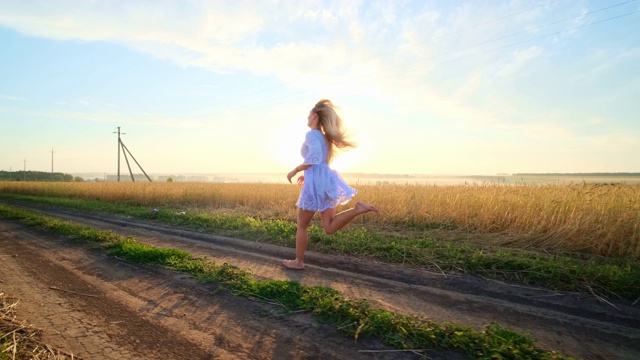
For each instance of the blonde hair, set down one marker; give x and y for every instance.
(330, 123)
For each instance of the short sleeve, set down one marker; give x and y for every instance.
(314, 149)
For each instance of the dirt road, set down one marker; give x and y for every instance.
(100, 307)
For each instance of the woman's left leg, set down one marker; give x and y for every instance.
(332, 222)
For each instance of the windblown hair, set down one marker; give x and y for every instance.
(330, 123)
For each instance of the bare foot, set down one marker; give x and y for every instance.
(292, 264)
(362, 208)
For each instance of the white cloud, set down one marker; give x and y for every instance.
(388, 53)
(573, 24)
(222, 36)
(110, 116)
(605, 59)
(542, 130)
(175, 32)
(172, 23)
(615, 142)
(517, 60)
(356, 32)
(11, 98)
(596, 121)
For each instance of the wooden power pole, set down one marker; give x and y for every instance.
(52, 160)
(125, 151)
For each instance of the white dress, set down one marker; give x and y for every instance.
(323, 187)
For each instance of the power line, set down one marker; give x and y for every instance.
(532, 39)
(275, 101)
(403, 48)
(484, 51)
(302, 94)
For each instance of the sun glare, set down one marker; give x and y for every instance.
(346, 161)
(287, 141)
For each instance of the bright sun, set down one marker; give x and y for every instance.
(288, 139)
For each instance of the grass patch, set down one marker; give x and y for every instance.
(133, 251)
(354, 317)
(617, 278)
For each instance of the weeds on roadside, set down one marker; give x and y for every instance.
(354, 317)
(617, 278)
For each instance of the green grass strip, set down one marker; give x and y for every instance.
(607, 277)
(354, 317)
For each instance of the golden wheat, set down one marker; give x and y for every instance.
(598, 219)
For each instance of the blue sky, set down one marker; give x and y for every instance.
(425, 87)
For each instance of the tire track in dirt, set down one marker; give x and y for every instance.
(98, 307)
(60, 300)
(575, 324)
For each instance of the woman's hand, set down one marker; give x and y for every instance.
(291, 174)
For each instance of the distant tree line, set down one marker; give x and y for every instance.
(580, 174)
(36, 176)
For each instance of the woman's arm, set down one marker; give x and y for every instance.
(298, 168)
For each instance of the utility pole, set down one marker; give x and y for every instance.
(125, 151)
(10, 172)
(52, 160)
(24, 173)
(119, 146)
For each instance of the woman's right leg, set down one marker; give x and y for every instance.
(302, 238)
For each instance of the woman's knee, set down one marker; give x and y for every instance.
(328, 229)
(304, 218)
(326, 219)
(303, 225)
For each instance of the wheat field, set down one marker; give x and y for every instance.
(591, 218)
